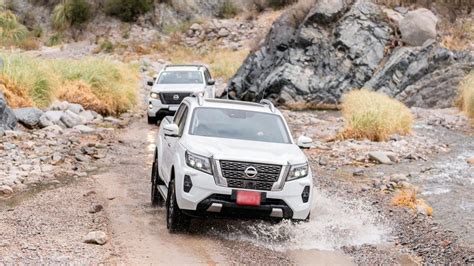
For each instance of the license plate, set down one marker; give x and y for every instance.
(173, 108)
(249, 198)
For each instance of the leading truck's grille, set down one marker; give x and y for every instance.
(250, 175)
(173, 97)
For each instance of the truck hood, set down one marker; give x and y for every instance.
(178, 87)
(245, 150)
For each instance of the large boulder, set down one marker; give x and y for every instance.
(418, 26)
(28, 117)
(7, 117)
(316, 60)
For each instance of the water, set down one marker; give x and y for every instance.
(334, 223)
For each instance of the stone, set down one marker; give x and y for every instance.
(8, 119)
(393, 15)
(96, 208)
(326, 11)
(59, 106)
(70, 119)
(54, 128)
(84, 129)
(5, 190)
(196, 27)
(358, 172)
(418, 26)
(470, 160)
(96, 237)
(87, 116)
(223, 32)
(28, 117)
(380, 157)
(75, 108)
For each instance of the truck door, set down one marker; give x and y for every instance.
(169, 145)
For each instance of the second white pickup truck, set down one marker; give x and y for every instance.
(229, 158)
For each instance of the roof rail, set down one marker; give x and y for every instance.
(269, 104)
(183, 65)
(200, 97)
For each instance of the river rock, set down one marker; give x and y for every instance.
(470, 160)
(29, 116)
(75, 108)
(96, 237)
(7, 117)
(418, 26)
(5, 190)
(380, 157)
(84, 129)
(317, 59)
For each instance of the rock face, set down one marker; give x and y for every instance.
(418, 26)
(7, 117)
(342, 47)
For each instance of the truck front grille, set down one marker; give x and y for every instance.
(173, 97)
(266, 174)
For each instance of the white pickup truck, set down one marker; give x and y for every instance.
(229, 158)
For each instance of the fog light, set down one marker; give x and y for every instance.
(305, 194)
(150, 106)
(188, 184)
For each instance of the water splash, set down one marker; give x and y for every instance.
(334, 223)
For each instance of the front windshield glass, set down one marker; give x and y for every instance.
(238, 124)
(180, 77)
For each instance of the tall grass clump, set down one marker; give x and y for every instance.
(102, 85)
(114, 84)
(408, 198)
(466, 92)
(71, 13)
(12, 32)
(228, 9)
(33, 76)
(374, 116)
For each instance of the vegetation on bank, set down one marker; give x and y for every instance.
(374, 116)
(408, 198)
(466, 92)
(105, 86)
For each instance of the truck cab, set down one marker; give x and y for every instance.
(174, 83)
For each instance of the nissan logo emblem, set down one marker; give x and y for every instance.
(250, 171)
(176, 97)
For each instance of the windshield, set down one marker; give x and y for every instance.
(238, 124)
(180, 77)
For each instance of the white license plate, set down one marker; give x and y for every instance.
(173, 108)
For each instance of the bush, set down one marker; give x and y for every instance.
(466, 92)
(104, 86)
(127, 10)
(408, 198)
(374, 116)
(228, 10)
(107, 46)
(54, 40)
(12, 32)
(71, 13)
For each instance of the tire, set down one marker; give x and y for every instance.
(152, 120)
(176, 220)
(156, 198)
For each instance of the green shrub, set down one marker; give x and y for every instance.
(107, 46)
(374, 116)
(127, 10)
(54, 40)
(11, 31)
(71, 13)
(228, 10)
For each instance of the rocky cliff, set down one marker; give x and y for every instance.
(338, 47)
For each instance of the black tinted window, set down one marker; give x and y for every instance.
(180, 77)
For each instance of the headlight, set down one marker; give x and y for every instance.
(198, 162)
(297, 171)
(154, 95)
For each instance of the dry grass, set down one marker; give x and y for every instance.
(223, 63)
(105, 86)
(15, 96)
(466, 92)
(458, 35)
(408, 198)
(374, 116)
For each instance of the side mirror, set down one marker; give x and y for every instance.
(304, 142)
(154, 79)
(150, 83)
(171, 130)
(211, 82)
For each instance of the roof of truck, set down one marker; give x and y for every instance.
(233, 104)
(183, 67)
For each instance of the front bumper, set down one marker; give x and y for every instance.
(287, 202)
(157, 108)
